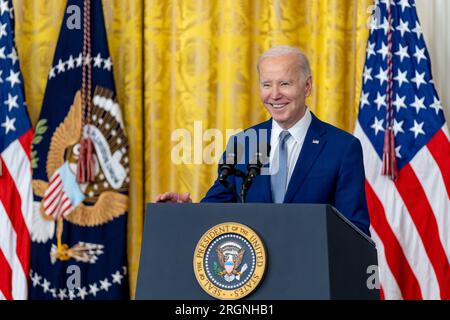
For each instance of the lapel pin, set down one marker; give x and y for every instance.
(315, 141)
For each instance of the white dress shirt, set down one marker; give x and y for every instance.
(294, 143)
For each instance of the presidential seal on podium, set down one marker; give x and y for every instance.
(229, 261)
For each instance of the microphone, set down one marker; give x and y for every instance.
(227, 167)
(254, 167)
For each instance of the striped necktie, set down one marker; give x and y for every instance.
(278, 179)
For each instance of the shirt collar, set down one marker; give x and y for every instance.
(298, 131)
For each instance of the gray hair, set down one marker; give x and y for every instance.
(278, 51)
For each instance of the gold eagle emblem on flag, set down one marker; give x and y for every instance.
(92, 203)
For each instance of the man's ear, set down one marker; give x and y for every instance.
(308, 86)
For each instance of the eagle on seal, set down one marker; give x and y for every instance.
(229, 263)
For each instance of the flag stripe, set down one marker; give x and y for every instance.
(18, 202)
(62, 205)
(419, 208)
(55, 176)
(11, 201)
(445, 130)
(66, 207)
(8, 245)
(427, 171)
(5, 278)
(439, 147)
(51, 207)
(20, 170)
(395, 257)
(52, 186)
(399, 223)
(53, 195)
(385, 275)
(25, 141)
(57, 209)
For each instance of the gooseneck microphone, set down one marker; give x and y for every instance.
(227, 167)
(234, 155)
(254, 169)
(228, 164)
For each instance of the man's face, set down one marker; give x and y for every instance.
(282, 91)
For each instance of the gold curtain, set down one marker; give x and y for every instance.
(186, 64)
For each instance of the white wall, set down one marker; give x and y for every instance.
(434, 16)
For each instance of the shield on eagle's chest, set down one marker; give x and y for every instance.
(229, 266)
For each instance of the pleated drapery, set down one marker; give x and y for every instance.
(191, 65)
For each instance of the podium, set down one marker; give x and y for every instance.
(312, 251)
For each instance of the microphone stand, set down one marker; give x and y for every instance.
(253, 170)
(238, 173)
(230, 187)
(243, 192)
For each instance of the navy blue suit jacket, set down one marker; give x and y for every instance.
(329, 170)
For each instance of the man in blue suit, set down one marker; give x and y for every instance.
(309, 161)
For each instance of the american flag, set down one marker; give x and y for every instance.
(16, 194)
(410, 215)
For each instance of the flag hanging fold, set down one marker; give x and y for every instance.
(16, 197)
(406, 148)
(80, 176)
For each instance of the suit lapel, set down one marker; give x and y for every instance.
(312, 146)
(267, 191)
(265, 179)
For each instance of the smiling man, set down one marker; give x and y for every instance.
(285, 83)
(310, 161)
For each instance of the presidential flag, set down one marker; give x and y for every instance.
(80, 176)
(406, 148)
(16, 196)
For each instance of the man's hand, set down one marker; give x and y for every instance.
(174, 197)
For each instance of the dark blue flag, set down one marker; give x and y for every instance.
(80, 176)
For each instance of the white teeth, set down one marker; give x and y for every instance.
(278, 106)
